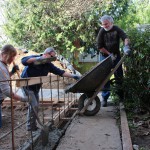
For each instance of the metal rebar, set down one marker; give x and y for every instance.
(11, 130)
(42, 99)
(50, 84)
(32, 147)
(64, 96)
(12, 117)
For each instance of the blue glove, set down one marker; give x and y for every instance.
(76, 77)
(14, 69)
(127, 50)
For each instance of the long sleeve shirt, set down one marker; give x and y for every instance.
(32, 70)
(4, 85)
(110, 40)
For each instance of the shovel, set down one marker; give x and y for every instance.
(44, 128)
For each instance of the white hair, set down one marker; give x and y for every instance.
(106, 17)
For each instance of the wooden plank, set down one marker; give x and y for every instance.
(126, 139)
(8, 102)
(55, 99)
(44, 103)
(73, 109)
(65, 118)
(35, 80)
(56, 108)
(47, 118)
(61, 113)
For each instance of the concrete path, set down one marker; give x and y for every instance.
(99, 132)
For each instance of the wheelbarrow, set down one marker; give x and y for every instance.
(91, 83)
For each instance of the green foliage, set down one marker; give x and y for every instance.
(30, 23)
(35, 25)
(137, 74)
(137, 13)
(38, 24)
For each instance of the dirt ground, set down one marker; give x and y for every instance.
(140, 131)
(21, 133)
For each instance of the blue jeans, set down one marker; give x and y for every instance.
(31, 117)
(118, 76)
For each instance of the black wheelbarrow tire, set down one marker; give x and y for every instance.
(93, 108)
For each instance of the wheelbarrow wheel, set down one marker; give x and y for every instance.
(93, 108)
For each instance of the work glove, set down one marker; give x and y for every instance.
(126, 50)
(14, 69)
(113, 57)
(76, 77)
(39, 58)
(43, 60)
(26, 99)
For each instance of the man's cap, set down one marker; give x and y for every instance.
(49, 49)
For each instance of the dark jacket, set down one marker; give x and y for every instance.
(32, 70)
(110, 40)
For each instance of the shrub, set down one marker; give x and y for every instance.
(137, 70)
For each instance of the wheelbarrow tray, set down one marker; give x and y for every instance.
(92, 79)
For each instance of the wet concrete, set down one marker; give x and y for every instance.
(54, 136)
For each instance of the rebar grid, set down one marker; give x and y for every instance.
(52, 108)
